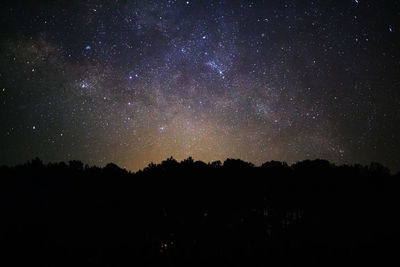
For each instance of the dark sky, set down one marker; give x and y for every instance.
(134, 82)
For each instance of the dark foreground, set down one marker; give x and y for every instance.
(196, 214)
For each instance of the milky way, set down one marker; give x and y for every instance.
(134, 82)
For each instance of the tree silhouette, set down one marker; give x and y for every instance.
(192, 213)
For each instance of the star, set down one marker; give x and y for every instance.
(84, 85)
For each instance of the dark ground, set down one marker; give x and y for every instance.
(192, 213)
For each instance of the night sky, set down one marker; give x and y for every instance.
(134, 82)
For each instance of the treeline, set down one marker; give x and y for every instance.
(193, 213)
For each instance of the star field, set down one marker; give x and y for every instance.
(134, 82)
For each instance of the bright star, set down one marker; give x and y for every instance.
(214, 66)
(84, 85)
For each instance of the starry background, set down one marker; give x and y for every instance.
(134, 82)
